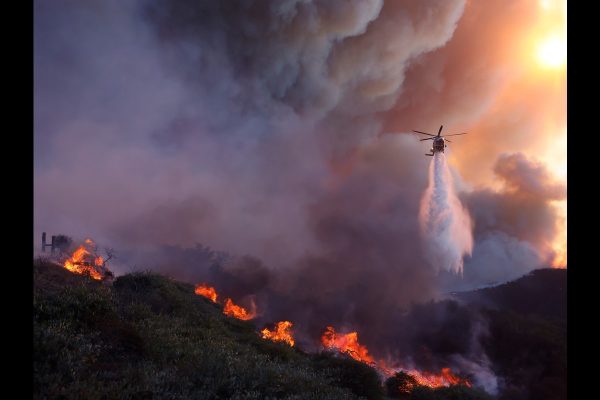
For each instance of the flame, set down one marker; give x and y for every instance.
(229, 308)
(281, 333)
(207, 291)
(346, 343)
(232, 310)
(445, 378)
(77, 262)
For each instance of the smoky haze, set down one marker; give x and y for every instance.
(274, 131)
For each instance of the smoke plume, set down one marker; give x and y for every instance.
(445, 224)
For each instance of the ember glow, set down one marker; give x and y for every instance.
(281, 333)
(444, 378)
(84, 262)
(207, 291)
(346, 343)
(232, 310)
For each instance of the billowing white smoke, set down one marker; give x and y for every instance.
(445, 225)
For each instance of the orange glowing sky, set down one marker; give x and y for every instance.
(527, 111)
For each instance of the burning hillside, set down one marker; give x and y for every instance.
(168, 306)
(233, 310)
(229, 307)
(345, 343)
(445, 378)
(207, 291)
(84, 260)
(348, 344)
(281, 333)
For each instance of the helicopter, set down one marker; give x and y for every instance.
(439, 142)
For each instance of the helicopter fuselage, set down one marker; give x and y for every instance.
(439, 144)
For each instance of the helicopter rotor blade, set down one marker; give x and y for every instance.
(456, 134)
(440, 131)
(424, 133)
(429, 138)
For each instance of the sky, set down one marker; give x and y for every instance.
(281, 131)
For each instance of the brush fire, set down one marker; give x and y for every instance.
(229, 307)
(281, 333)
(84, 260)
(445, 378)
(348, 343)
(232, 310)
(207, 291)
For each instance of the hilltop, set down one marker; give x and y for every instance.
(542, 293)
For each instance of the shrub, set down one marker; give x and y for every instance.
(346, 372)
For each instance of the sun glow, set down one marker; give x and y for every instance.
(551, 35)
(552, 52)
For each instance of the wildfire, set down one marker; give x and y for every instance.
(229, 308)
(207, 291)
(445, 378)
(83, 261)
(346, 343)
(281, 333)
(232, 310)
(332, 340)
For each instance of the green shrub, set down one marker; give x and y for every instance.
(150, 337)
(346, 372)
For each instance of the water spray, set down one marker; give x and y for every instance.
(445, 224)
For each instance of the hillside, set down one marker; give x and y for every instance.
(527, 333)
(542, 292)
(145, 336)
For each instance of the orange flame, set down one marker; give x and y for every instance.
(207, 291)
(281, 333)
(445, 378)
(232, 310)
(77, 262)
(346, 343)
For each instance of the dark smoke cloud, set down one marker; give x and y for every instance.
(254, 127)
(211, 122)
